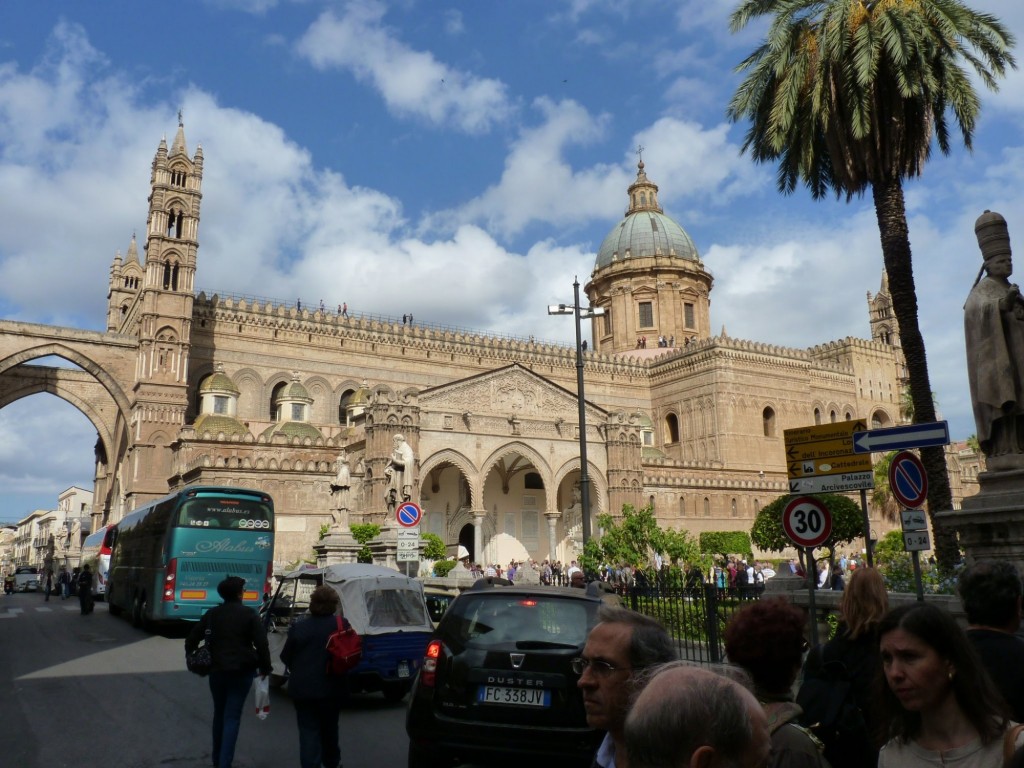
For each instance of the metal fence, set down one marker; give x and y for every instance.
(695, 617)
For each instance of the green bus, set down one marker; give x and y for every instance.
(169, 556)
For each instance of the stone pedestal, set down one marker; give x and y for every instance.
(337, 546)
(991, 523)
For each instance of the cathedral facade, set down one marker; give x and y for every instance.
(186, 387)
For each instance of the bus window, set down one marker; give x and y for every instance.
(232, 514)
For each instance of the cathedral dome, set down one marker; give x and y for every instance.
(218, 382)
(215, 423)
(646, 230)
(292, 392)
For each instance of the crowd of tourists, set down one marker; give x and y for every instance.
(896, 687)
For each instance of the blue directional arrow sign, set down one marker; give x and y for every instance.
(902, 438)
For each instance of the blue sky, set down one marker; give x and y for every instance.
(461, 161)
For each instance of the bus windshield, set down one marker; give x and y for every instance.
(228, 513)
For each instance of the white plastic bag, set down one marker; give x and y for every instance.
(262, 695)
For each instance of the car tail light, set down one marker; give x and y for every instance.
(428, 672)
(268, 583)
(170, 575)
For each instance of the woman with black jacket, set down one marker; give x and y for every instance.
(838, 694)
(316, 694)
(238, 645)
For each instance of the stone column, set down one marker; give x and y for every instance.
(552, 515)
(478, 534)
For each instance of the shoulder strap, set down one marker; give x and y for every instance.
(1010, 740)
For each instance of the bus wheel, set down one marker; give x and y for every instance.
(139, 611)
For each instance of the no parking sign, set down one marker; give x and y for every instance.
(408, 514)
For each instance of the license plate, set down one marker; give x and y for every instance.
(519, 697)
(403, 669)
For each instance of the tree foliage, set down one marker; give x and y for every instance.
(634, 540)
(849, 96)
(433, 547)
(847, 523)
(726, 543)
(881, 497)
(363, 533)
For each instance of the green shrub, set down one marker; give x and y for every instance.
(443, 567)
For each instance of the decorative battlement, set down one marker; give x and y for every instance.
(281, 317)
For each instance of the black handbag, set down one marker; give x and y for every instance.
(200, 661)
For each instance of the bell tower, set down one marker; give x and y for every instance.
(163, 315)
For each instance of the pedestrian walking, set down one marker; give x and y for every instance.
(85, 601)
(64, 583)
(238, 646)
(48, 584)
(317, 695)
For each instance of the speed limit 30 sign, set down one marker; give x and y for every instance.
(807, 521)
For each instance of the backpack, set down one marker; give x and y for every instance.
(344, 648)
(831, 711)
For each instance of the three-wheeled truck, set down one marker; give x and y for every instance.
(384, 606)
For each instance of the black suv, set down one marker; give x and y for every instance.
(496, 684)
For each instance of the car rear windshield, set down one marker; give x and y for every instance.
(27, 569)
(494, 617)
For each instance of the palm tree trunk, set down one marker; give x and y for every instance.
(892, 226)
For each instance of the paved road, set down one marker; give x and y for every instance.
(92, 691)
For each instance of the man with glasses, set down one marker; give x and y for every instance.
(620, 646)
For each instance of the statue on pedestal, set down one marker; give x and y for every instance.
(341, 493)
(399, 473)
(994, 332)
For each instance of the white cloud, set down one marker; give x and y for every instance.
(410, 82)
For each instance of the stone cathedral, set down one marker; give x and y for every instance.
(186, 387)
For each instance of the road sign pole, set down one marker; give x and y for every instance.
(812, 586)
(916, 557)
(867, 528)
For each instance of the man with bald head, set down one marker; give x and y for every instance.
(692, 718)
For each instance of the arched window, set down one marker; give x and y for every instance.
(817, 415)
(672, 427)
(682, 506)
(768, 422)
(734, 508)
(346, 398)
(832, 416)
(707, 507)
(533, 482)
(274, 414)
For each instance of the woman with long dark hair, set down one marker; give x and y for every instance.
(941, 708)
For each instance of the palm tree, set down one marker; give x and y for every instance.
(881, 496)
(848, 95)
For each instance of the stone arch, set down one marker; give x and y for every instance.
(598, 481)
(460, 462)
(523, 450)
(87, 408)
(250, 399)
(322, 409)
(87, 364)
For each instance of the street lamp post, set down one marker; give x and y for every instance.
(579, 313)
